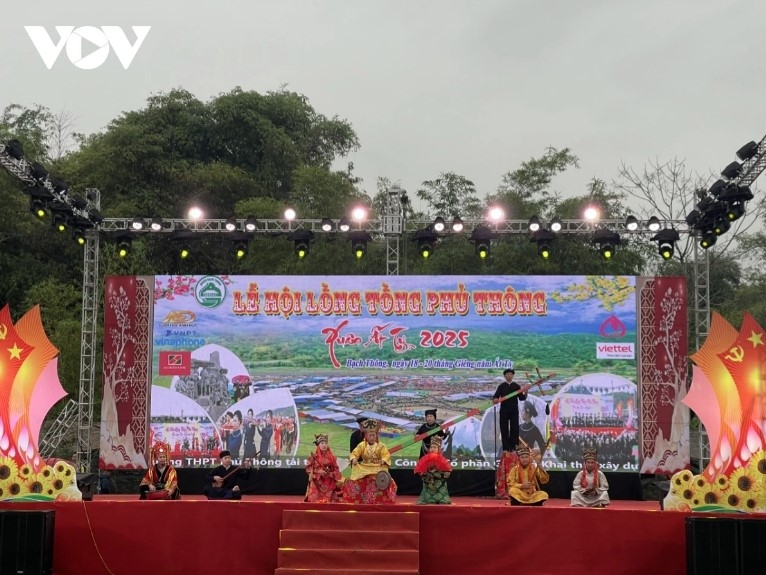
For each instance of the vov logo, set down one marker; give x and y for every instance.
(100, 40)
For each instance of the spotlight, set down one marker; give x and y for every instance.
(37, 207)
(534, 224)
(439, 224)
(426, 239)
(290, 214)
(344, 225)
(653, 224)
(359, 241)
(708, 239)
(666, 240)
(607, 241)
(184, 251)
(735, 193)
(631, 223)
(735, 211)
(327, 225)
(496, 213)
(457, 225)
(251, 224)
(241, 241)
(556, 224)
(59, 222)
(693, 218)
(591, 213)
(39, 173)
(747, 151)
(482, 238)
(240, 249)
(14, 149)
(137, 224)
(195, 213)
(732, 170)
(543, 239)
(156, 224)
(302, 239)
(717, 188)
(721, 226)
(79, 237)
(231, 224)
(359, 213)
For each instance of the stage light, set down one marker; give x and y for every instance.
(457, 225)
(156, 224)
(735, 198)
(14, 149)
(39, 173)
(631, 223)
(231, 224)
(721, 226)
(123, 247)
(38, 208)
(735, 211)
(607, 242)
(534, 224)
(426, 239)
(496, 213)
(556, 224)
(327, 225)
(732, 170)
(137, 224)
(240, 249)
(184, 251)
(543, 239)
(717, 188)
(747, 151)
(359, 241)
(482, 237)
(591, 213)
(666, 241)
(302, 239)
(439, 224)
(653, 224)
(59, 223)
(290, 214)
(708, 239)
(359, 213)
(251, 224)
(693, 218)
(195, 213)
(78, 236)
(344, 225)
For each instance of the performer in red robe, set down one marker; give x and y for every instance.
(160, 475)
(324, 474)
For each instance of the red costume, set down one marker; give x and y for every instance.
(324, 475)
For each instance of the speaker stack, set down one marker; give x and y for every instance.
(26, 542)
(725, 545)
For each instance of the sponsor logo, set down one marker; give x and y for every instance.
(608, 350)
(210, 291)
(175, 363)
(612, 327)
(99, 40)
(180, 317)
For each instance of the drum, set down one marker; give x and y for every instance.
(382, 480)
(157, 495)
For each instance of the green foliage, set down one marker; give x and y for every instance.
(450, 195)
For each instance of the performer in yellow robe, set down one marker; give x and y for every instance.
(525, 479)
(370, 462)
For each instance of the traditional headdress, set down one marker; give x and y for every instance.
(590, 453)
(157, 448)
(370, 425)
(361, 420)
(430, 412)
(224, 453)
(436, 440)
(320, 438)
(522, 449)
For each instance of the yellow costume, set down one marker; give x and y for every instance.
(532, 474)
(370, 459)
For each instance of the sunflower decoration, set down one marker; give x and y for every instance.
(680, 481)
(721, 482)
(56, 484)
(16, 489)
(64, 471)
(35, 485)
(750, 504)
(757, 466)
(732, 499)
(59, 468)
(744, 483)
(8, 469)
(46, 473)
(25, 471)
(708, 495)
(699, 482)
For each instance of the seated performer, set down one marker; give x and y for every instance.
(160, 478)
(324, 475)
(434, 469)
(358, 435)
(370, 461)
(525, 478)
(590, 486)
(223, 481)
(425, 428)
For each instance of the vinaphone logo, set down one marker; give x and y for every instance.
(210, 291)
(96, 41)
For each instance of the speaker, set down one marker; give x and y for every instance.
(26, 542)
(87, 483)
(712, 546)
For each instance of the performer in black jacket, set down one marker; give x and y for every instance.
(509, 410)
(223, 481)
(358, 435)
(425, 428)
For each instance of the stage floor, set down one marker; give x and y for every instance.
(405, 500)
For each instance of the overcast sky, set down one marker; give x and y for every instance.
(474, 87)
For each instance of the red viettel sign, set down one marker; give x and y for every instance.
(612, 327)
(611, 350)
(175, 363)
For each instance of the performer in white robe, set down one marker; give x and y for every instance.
(590, 487)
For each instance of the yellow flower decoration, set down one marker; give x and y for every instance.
(744, 483)
(8, 469)
(25, 471)
(699, 482)
(757, 465)
(722, 482)
(732, 499)
(46, 472)
(681, 480)
(59, 468)
(17, 489)
(58, 484)
(34, 485)
(708, 495)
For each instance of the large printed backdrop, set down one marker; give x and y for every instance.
(259, 365)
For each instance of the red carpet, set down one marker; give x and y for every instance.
(120, 535)
(330, 542)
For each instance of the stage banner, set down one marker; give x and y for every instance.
(260, 364)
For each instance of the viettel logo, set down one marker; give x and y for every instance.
(210, 291)
(612, 327)
(96, 41)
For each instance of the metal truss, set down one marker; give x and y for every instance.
(68, 417)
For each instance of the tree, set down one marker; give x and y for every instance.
(449, 195)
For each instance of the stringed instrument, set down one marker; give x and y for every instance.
(219, 482)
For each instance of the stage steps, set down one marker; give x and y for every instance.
(318, 542)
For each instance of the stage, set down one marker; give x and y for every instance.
(118, 534)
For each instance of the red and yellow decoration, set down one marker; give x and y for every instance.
(728, 393)
(29, 387)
